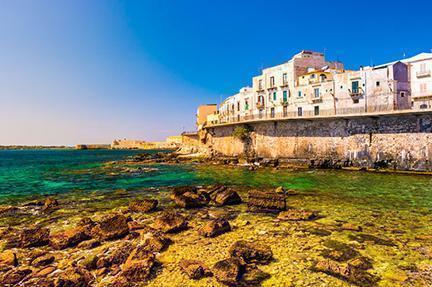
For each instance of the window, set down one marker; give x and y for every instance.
(285, 78)
(260, 84)
(285, 97)
(402, 94)
(423, 106)
(274, 96)
(355, 87)
(299, 94)
(423, 87)
(317, 92)
(423, 67)
(378, 83)
(272, 82)
(323, 77)
(246, 105)
(316, 110)
(272, 112)
(299, 111)
(238, 106)
(312, 76)
(285, 111)
(356, 101)
(341, 87)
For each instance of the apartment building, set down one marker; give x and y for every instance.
(308, 85)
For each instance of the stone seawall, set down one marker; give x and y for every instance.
(400, 141)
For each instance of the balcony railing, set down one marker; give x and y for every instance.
(421, 74)
(260, 105)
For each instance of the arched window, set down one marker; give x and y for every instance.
(323, 77)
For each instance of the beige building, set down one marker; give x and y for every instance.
(421, 80)
(202, 113)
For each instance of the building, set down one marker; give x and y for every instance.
(308, 85)
(202, 113)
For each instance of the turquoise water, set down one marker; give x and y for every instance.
(40, 172)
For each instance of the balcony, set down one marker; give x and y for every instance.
(284, 84)
(284, 102)
(272, 87)
(356, 94)
(317, 99)
(422, 74)
(260, 105)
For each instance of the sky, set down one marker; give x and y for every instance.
(79, 71)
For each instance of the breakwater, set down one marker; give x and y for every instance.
(401, 141)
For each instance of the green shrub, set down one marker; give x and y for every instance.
(241, 133)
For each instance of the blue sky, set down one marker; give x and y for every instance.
(91, 71)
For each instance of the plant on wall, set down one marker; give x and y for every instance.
(241, 132)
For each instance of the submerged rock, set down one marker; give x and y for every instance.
(143, 205)
(170, 222)
(194, 269)
(116, 255)
(261, 201)
(111, 226)
(339, 251)
(215, 228)
(249, 252)
(346, 272)
(8, 210)
(50, 203)
(228, 271)
(189, 197)
(253, 276)
(371, 238)
(297, 215)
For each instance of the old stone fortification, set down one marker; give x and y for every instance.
(401, 141)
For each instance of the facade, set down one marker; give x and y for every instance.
(308, 85)
(202, 113)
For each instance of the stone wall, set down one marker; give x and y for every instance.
(403, 141)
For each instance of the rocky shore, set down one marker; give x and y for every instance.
(214, 235)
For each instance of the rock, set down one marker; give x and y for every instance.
(45, 271)
(346, 272)
(225, 196)
(351, 227)
(50, 203)
(170, 222)
(39, 282)
(8, 210)
(253, 276)
(361, 263)
(249, 252)
(69, 238)
(371, 238)
(90, 261)
(74, 277)
(339, 251)
(155, 242)
(34, 237)
(143, 205)
(260, 201)
(133, 225)
(194, 269)
(228, 271)
(215, 228)
(8, 258)
(15, 275)
(319, 231)
(111, 226)
(190, 200)
(116, 255)
(43, 260)
(297, 215)
(89, 244)
(280, 189)
(119, 281)
(138, 267)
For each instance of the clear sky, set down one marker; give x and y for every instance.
(91, 71)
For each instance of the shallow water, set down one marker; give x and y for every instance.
(392, 207)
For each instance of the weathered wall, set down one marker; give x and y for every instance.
(405, 140)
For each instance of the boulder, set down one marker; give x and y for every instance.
(351, 227)
(15, 275)
(194, 269)
(224, 196)
(190, 200)
(215, 227)
(228, 271)
(155, 242)
(34, 237)
(143, 205)
(249, 252)
(297, 215)
(69, 238)
(116, 255)
(43, 260)
(39, 282)
(111, 226)
(89, 244)
(45, 271)
(138, 266)
(74, 277)
(170, 222)
(262, 201)
(8, 258)
(8, 210)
